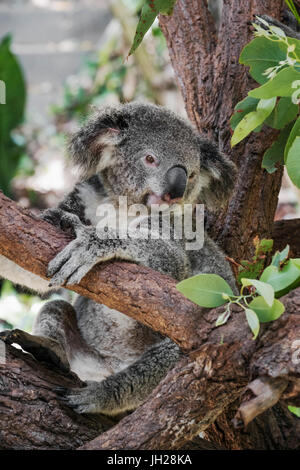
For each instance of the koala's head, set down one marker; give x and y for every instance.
(150, 155)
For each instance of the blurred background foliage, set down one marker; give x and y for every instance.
(59, 59)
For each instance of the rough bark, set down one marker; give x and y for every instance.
(31, 415)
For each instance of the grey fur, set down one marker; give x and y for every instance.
(125, 359)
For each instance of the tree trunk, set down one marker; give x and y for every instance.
(212, 82)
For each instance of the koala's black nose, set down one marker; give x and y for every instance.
(176, 178)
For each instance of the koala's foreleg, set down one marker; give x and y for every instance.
(127, 389)
(92, 246)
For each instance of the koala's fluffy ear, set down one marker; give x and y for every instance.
(218, 176)
(91, 148)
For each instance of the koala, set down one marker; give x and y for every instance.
(151, 156)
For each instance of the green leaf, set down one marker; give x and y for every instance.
(165, 7)
(11, 113)
(280, 85)
(264, 312)
(263, 246)
(282, 280)
(295, 410)
(147, 18)
(252, 120)
(205, 289)
(284, 112)
(261, 54)
(280, 256)
(241, 109)
(275, 154)
(293, 162)
(295, 132)
(253, 321)
(252, 269)
(149, 12)
(296, 262)
(264, 289)
(223, 318)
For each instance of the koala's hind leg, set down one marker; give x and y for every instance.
(57, 321)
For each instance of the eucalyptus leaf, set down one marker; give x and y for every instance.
(261, 54)
(205, 289)
(293, 162)
(252, 120)
(149, 12)
(241, 109)
(295, 410)
(223, 318)
(280, 256)
(281, 279)
(284, 112)
(264, 289)
(253, 321)
(280, 85)
(275, 154)
(264, 312)
(295, 132)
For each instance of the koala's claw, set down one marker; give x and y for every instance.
(81, 400)
(62, 219)
(69, 266)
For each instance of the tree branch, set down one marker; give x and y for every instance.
(267, 392)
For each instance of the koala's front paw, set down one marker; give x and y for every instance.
(62, 219)
(89, 399)
(74, 261)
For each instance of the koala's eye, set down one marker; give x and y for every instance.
(150, 160)
(192, 176)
